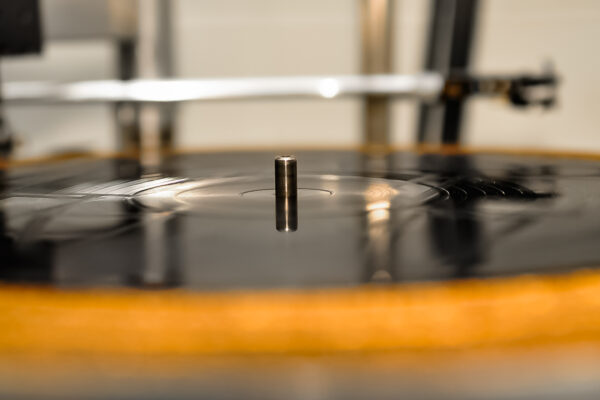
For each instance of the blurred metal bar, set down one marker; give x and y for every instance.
(5, 134)
(123, 21)
(521, 90)
(376, 38)
(425, 87)
(126, 112)
(153, 62)
(449, 49)
(460, 55)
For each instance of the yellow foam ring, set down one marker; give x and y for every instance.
(400, 318)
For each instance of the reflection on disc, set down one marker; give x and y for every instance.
(317, 195)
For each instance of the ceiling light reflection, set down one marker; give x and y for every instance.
(329, 88)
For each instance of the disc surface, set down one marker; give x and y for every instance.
(318, 195)
(210, 221)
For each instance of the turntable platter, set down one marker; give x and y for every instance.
(208, 221)
(204, 235)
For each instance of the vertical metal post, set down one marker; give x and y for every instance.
(448, 51)
(286, 194)
(127, 113)
(152, 57)
(5, 135)
(123, 18)
(377, 29)
(143, 31)
(286, 176)
(154, 61)
(376, 35)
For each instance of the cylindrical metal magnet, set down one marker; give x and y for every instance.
(286, 176)
(286, 194)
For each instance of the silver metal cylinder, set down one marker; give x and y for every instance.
(286, 194)
(286, 176)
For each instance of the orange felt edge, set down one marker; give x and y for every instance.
(461, 315)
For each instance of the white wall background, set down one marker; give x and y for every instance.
(292, 37)
(518, 36)
(261, 38)
(45, 129)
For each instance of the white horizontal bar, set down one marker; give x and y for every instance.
(425, 87)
